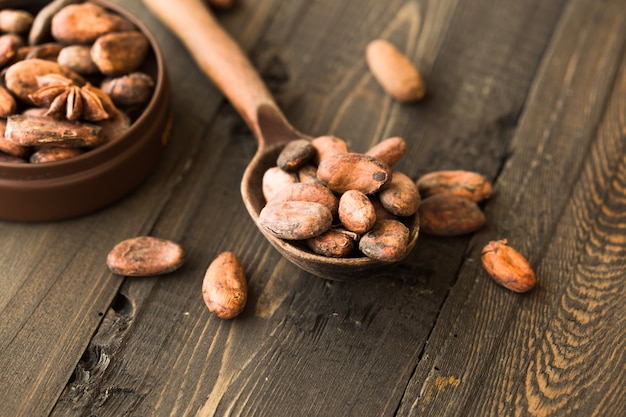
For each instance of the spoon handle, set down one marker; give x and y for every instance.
(219, 56)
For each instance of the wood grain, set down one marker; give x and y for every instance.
(532, 94)
(57, 284)
(539, 355)
(305, 346)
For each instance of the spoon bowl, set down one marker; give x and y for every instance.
(225, 63)
(338, 269)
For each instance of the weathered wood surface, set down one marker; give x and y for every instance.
(532, 94)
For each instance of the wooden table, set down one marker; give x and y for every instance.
(530, 93)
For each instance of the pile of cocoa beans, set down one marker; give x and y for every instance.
(347, 204)
(341, 203)
(72, 80)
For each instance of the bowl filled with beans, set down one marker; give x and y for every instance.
(84, 107)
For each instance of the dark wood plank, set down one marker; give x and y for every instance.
(560, 199)
(305, 346)
(58, 288)
(54, 281)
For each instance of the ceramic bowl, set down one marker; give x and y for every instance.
(86, 183)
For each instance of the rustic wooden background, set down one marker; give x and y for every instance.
(530, 93)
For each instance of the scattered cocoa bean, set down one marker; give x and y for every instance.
(389, 150)
(119, 53)
(8, 105)
(78, 59)
(356, 211)
(353, 171)
(328, 145)
(83, 23)
(394, 71)
(224, 287)
(275, 180)
(466, 183)
(335, 243)
(15, 21)
(145, 256)
(316, 193)
(507, 267)
(129, 90)
(387, 241)
(295, 154)
(400, 195)
(295, 220)
(28, 130)
(448, 214)
(53, 154)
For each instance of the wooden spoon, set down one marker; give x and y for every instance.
(227, 65)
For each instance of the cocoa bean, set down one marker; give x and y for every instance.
(9, 147)
(84, 23)
(389, 150)
(448, 214)
(274, 180)
(328, 145)
(353, 171)
(28, 130)
(129, 90)
(48, 51)
(224, 287)
(40, 28)
(295, 154)
(15, 21)
(356, 211)
(295, 220)
(335, 243)
(316, 193)
(119, 53)
(8, 105)
(466, 183)
(21, 77)
(145, 256)
(507, 267)
(387, 241)
(380, 210)
(308, 174)
(394, 71)
(78, 59)
(9, 47)
(114, 127)
(400, 195)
